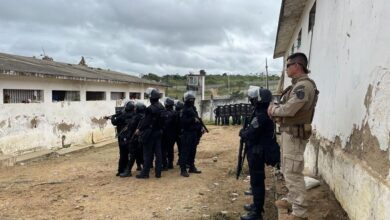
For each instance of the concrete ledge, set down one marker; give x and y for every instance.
(73, 149)
(104, 143)
(33, 155)
(6, 160)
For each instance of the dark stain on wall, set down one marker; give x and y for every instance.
(34, 122)
(101, 122)
(368, 98)
(3, 123)
(365, 146)
(64, 127)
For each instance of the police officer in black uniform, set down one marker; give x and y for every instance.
(238, 113)
(169, 134)
(150, 131)
(217, 115)
(233, 112)
(135, 148)
(227, 114)
(258, 135)
(178, 107)
(190, 135)
(121, 121)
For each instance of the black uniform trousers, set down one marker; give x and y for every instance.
(123, 156)
(168, 142)
(256, 170)
(151, 149)
(136, 155)
(189, 141)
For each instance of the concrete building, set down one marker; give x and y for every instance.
(348, 44)
(46, 104)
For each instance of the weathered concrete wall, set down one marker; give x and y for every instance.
(34, 126)
(350, 63)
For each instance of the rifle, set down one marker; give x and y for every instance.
(201, 123)
(242, 150)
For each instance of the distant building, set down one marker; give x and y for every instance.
(45, 104)
(347, 43)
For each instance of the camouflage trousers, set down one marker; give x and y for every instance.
(292, 167)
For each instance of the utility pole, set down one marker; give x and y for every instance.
(266, 74)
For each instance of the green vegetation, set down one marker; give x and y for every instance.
(218, 85)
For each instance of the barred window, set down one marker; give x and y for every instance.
(95, 96)
(117, 95)
(62, 95)
(135, 95)
(22, 96)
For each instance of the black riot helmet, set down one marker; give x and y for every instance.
(129, 107)
(259, 95)
(140, 107)
(189, 98)
(153, 94)
(169, 102)
(179, 105)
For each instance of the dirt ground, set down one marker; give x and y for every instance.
(83, 185)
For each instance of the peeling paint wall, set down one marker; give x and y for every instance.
(350, 63)
(34, 126)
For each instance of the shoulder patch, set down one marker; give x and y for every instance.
(300, 92)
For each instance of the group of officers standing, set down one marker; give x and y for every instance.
(145, 133)
(238, 112)
(149, 133)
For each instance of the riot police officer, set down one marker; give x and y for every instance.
(238, 114)
(227, 114)
(217, 115)
(233, 113)
(135, 148)
(150, 131)
(259, 135)
(190, 135)
(120, 121)
(169, 134)
(178, 107)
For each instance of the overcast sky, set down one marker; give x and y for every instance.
(143, 36)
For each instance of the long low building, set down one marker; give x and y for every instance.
(347, 43)
(48, 104)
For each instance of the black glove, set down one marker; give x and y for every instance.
(243, 133)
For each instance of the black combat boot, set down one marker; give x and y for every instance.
(126, 173)
(142, 176)
(252, 215)
(249, 207)
(184, 173)
(158, 175)
(194, 170)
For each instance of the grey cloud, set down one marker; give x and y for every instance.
(172, 36)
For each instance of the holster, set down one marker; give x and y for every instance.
(298, 131)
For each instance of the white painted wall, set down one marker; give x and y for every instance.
(81, 121)
(350, 51)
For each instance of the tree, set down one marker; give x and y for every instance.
(152, 76)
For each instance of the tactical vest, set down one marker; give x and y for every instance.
(306, 113)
